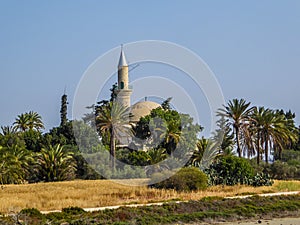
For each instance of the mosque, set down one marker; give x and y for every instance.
(124, 91)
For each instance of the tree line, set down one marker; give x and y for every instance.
(256, 133)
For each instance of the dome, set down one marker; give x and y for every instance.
(141, 109)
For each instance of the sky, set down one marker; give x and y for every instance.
(252, 47)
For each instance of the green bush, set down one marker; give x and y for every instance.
(73, 210)
(186, 179)
(279, 170)
(289, 155)
(261, 179)
(230, 170)
(32, 212)
(283, 171)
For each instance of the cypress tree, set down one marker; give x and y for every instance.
(63, 110)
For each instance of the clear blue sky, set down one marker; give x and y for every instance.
(253, 47)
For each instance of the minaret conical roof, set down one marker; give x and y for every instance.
(122, 60)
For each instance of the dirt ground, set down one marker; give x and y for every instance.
(275, 221)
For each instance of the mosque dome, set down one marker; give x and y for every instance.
(141, 109)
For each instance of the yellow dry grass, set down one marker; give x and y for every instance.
(98, 193)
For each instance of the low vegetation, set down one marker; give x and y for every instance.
(98, 193)
(205, 210)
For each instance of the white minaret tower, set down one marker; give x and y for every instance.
(123, 92)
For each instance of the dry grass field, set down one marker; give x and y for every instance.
(98, 193)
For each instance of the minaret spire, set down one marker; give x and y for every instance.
(122, 60)
(124, 92)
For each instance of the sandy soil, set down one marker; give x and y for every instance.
(276, 221)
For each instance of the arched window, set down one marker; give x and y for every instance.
(122, 85)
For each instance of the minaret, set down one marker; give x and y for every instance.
(123, 91)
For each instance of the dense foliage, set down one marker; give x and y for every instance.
(163, 140)
(232, 170)
(186, 179)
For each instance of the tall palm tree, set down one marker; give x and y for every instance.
(28, 121)
(55, 163)
(273, 130)
(172, 136)
(21, 122)
(113, 118)
(237, 111)
(35, 121)
(260, 118)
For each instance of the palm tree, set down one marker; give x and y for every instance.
(199, 151)
(172, 136)
(259, 118)
(55, 163)
(35, 121)
(273, 130)
(237, 111)
(113, 119)
(28, 121)
(155, 156)
(7, 130)
(21, 122)
(14, 164)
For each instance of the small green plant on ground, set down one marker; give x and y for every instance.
(186, 179)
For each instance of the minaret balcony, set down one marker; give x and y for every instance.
(130, 87)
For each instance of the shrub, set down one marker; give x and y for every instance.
(230, 170)
(261, 179)
(288, 155)
(73, 210)
(186, 179)
(283, 171)
(31, 216)
(32, 212)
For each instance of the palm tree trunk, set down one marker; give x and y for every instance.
(112, 149)
(237, 131)
(280, 153)
(267, 150)
(258, 148)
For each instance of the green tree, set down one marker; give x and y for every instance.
(237, 111)
(63, 110)
(205, 153)
(170, 130)
(63, 135)
(258, 117)
(155, 156)
(113, 119)
(224, 136)
(21, 122)
(33, 139)
(9, 137)
(199, 151)
(55, 163)
(14, 164)
(28, 121)
(166, 104)
(273, 130)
